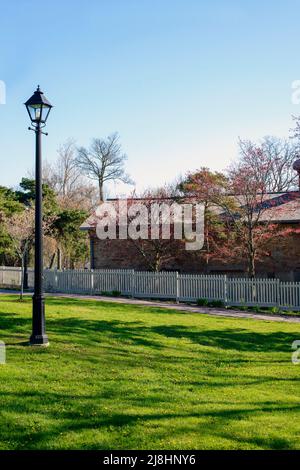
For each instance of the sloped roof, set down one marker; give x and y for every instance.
(278, 207)
(283, 208)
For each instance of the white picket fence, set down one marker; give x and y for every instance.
(11, 277)
(166, 285)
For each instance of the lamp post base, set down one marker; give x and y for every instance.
(39, 340)
(38, 337)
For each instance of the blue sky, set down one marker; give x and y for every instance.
(180, 80)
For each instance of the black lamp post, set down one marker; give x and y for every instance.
(38, 108)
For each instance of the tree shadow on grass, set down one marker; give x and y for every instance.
(231, 338)
(75, 414)
(100, 330)
(140, 334)
(12, 323)
(77, 418)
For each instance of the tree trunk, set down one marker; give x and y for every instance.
(251, 260)
(156, 266)
(251, 266)
(22, 278)
(207, 247)
(101, 195)
(251, 253)
(58, 259)
(52, 261)
(25, 282)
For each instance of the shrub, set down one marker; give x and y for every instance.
(275, 310)
(116, 293)
(202, 302)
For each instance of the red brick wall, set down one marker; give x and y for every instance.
(283, 262)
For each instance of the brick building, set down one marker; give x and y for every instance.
(283, 262)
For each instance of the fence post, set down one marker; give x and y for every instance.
(225, 290)
(3, 275)
(92, 281)
(55, 281)
(278, 293)
(177, 287)
(132, 283)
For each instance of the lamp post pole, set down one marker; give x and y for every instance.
(38, 336)
(38, 108)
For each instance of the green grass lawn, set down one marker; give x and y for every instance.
(131, 377)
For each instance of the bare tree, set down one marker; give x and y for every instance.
(239, 225)
(247, 207)
(103, 161)
(20, 227)
(66, 179)
(67, 172)
(278, 156)
(21, 230)
(156, 250)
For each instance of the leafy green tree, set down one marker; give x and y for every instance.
(70, 239)
(26, 195)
